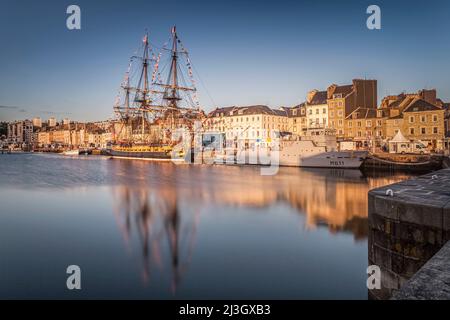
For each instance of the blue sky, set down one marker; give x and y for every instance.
(245, 52)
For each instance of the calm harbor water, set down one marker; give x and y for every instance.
(162, 231)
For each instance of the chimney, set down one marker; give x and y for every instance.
(311, 95)
(330, 91)
(428, 95)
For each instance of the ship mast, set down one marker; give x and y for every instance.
(173, 75)
(145, 89)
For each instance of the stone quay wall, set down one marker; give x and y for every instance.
(409, 222)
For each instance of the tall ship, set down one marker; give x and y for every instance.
(154, 118)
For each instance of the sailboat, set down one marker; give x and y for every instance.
(150, 111)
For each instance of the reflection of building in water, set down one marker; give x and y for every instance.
(166, 237)
(159, 203)
(336, 198)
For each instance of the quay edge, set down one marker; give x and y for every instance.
(409, 222)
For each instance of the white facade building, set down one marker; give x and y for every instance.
(317, 109)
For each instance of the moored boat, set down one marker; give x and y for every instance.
(157, 153)
(74, 152)
(150, 112)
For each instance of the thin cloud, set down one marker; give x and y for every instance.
(24, 110)
(9, 107)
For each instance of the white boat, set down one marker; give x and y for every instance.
(318, 149)
(74, 152)
(306, 153)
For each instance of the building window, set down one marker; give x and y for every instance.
(379, 123)
(350, 123)
(411, 119)
(310, 111)
(332, 114)
(303, 111)
(340, 113)
(435, 130)
(317, 111)
(324, 110)
(340, 123)
(423, 130)
(369, 123)
(359, 123)
(435, 118)
(294, 112)
(359, 134)
(411, 130)
(423, 118)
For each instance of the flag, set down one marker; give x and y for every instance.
(174, 29)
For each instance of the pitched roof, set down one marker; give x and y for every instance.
(420, 105)
(344, 90)
(320, 97)
(246, 110)
(295, 111)
(362, 113)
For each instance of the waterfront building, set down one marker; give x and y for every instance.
(20, 132)
(44, 138)
(250, 124)
(425, 122)
(99, 139)
(419, 116)
(343, 100)
(95, 139)
(366, 127)
(61, 137)
(297, 120)
(317, 109)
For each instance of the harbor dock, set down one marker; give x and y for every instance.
(409, 223)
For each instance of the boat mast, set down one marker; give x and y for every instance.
(145, 89)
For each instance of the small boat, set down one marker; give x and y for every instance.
(412, 164)
(74, 152)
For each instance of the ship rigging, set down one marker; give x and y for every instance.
(149, 110)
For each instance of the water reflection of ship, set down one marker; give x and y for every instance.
(333, 198)
(157, 221)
